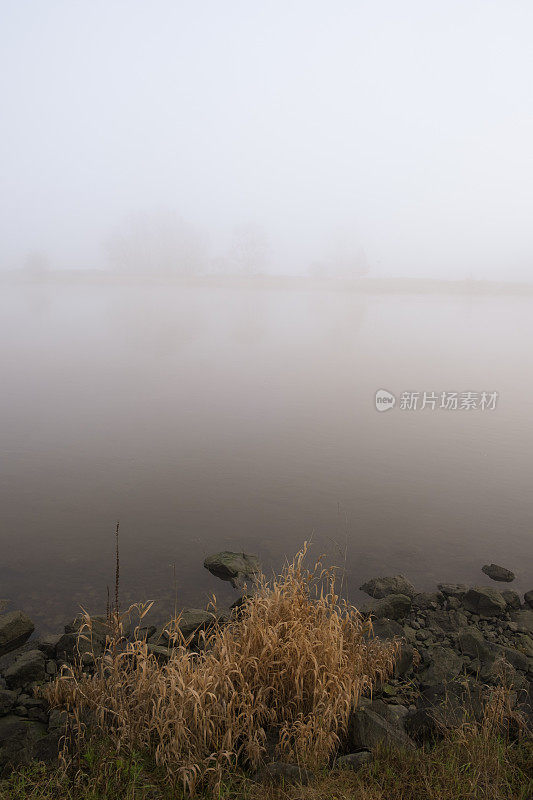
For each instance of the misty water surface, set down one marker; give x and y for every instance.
(209, 419)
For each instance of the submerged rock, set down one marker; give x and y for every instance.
(498, 573)
(237, 568)
(528, 598)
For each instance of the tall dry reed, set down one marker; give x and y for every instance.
(287, 670)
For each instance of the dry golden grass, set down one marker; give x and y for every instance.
(288, 669)
(477, 761)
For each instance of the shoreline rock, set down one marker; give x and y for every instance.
(237, 568)
(379, 588)
(15, 628)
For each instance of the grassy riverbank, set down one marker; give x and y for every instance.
(470, 764)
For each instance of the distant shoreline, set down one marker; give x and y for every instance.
(359, 285)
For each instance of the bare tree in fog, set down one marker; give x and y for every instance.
(158, 242)
(249, 250)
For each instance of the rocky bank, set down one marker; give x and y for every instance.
(457, 641)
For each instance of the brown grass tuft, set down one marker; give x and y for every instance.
(287, 670)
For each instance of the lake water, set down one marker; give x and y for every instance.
(207, 419)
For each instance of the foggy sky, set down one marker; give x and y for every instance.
(408, 123)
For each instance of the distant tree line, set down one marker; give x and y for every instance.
(164, 242)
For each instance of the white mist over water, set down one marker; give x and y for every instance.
(227, 419)
(400, 131)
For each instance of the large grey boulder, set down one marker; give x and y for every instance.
(237, 568)
(367, 729)
(382, 587)
(498, 573)
(15, 628)
(28, 668)
(528, 598)
(485, 601)
(394, 606)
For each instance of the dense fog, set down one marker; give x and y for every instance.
(342, 138)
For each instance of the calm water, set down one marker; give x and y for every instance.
(209, 419)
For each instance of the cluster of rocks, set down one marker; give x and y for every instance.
(455, 642)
